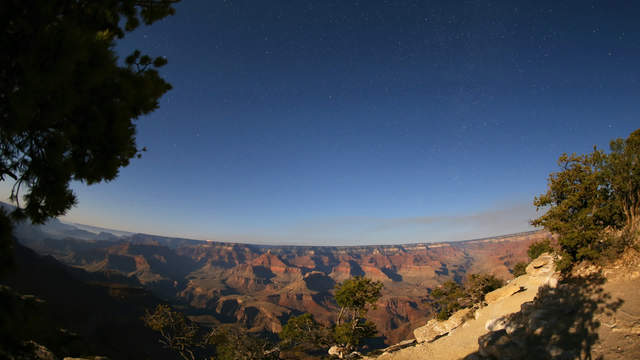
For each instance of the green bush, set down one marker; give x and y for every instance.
(538, 248)
(451, 296)
(447, 299)
(519, 269)
(303, 331)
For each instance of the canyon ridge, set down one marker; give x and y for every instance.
(260, 286)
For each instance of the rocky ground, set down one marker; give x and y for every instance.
(593, 313)
(457, 337)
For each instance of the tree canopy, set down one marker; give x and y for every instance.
(67, 104)
(591, 194)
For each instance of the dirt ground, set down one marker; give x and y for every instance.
(619, 331)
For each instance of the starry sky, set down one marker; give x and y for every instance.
(368, 122)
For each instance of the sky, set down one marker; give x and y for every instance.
(368, 122)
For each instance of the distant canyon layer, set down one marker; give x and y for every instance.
(261, 286)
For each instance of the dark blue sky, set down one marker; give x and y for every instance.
(359, 122)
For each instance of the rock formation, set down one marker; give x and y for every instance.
(458, 336)
(593, 312)
(261, 286)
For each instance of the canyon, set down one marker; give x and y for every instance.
(260, 286)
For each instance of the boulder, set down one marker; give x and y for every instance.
(542, 265)
(435, 328)
(503, 292)
(336, 350)
(496, 324)
(541, 271)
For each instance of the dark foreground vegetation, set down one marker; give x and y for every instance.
(301, 336)
(67, 112)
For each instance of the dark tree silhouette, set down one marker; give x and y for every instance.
(67, 105)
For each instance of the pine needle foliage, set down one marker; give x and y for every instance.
(591, 196)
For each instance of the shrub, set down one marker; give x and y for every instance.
(478, 285)
(304, 331)
(538, 248)
(451, 296)
(176, 331)
(447, 299)
(232, 342)
(519, 269)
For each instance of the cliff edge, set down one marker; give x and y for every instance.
(458, 336)
(593, 312)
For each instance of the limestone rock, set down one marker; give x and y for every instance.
(336, 350)
(541, 271)
(496, 324)
(542, 265)
(503, 292)
(399, 346)
(434, 328)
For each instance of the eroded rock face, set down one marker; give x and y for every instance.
(542, 265)
(540, 271)
(503, 292)
(580, 318)
(435, 328)
(280, 280)
(492, 323)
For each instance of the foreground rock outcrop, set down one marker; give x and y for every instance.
(436, 328)
(591, 313)
(458, 336)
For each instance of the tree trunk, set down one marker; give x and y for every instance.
(339, 320)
